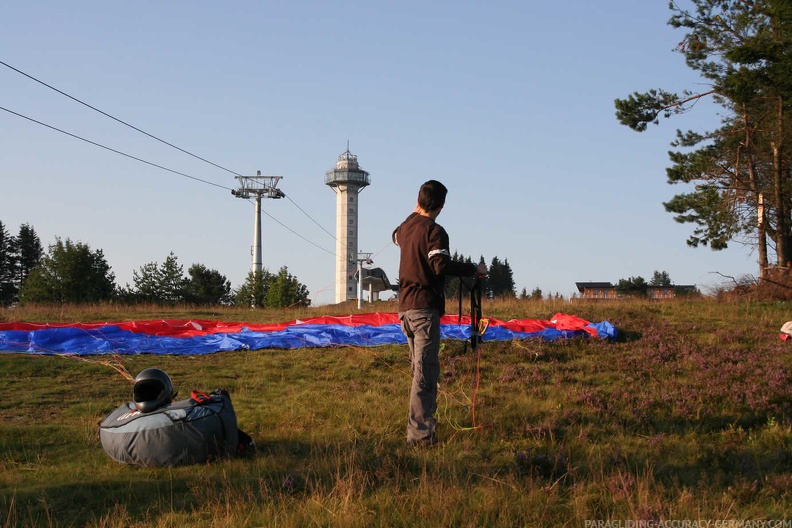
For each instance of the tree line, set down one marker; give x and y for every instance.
(498, 283)
(71, 272)
(638, 287)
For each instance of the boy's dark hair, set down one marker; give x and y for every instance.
(432, 195)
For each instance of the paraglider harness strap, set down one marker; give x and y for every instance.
(200, 397)
(477, 325)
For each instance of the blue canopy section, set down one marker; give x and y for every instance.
(112, 339)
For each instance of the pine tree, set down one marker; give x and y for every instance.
(8, 288)
(452, 283)
(207, 287)
(739, 173)
(500, 280)
(660, 278)
(173, 284)
(29, 252)
(161, 283)
(146, 282)
(285, 291)
(507, 288)
(632, 287)
(254, 291)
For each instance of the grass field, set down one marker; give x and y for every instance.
(688, 416)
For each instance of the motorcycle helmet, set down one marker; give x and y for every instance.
(153, 388)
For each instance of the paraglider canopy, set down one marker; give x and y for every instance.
(180, 337)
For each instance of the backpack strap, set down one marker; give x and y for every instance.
(200, 397)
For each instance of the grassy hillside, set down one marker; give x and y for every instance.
(687, 416)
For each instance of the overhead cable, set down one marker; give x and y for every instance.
(153, 137)
(309, 216)
(112, 149)
(298, 234)
(116, 119)
(73, 98)
(116, 151)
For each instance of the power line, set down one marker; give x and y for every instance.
(116, 119)
(73, 98)
(298, 234)
(142, 132)
(309, 216)
(116, 151)
(112, 149)
(148, 162)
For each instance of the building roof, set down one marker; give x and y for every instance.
(582, 286)
(376, 279)
(592, 285)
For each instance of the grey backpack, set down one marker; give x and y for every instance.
(193, 431)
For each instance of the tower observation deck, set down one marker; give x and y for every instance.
(346, 180)
(347, 172)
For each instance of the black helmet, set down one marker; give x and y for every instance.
(153, 389)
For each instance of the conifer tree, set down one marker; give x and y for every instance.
(161, 283)
(207, 286)
(29, 252)
(285, 291)
(253, 292)
(740, 173)
(8, 288)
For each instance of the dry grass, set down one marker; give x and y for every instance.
(687, 416)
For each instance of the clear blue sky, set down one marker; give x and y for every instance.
(509, 103)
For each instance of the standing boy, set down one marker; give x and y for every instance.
(425, 261)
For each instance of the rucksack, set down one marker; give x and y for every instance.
(192, 431)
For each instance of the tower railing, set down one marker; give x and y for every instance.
(347, 177)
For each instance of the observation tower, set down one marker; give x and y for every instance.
(346, 180)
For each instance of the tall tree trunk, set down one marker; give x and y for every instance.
(762, 238)
(779, 188)
(746, 151)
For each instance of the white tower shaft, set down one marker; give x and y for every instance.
(346, 241)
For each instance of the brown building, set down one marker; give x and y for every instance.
(597, 290)
(607, 291)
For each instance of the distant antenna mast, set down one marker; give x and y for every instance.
(258, 186)
(362, 258)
